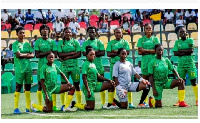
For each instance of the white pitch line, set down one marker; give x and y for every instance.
(116, 115)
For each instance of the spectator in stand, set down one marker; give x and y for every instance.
(14, 23)
(126, 25)
(81, 39)
(115, 15)
(61, 14)
(57, 40)
(19, 15)
(103, 28)
(178, 13)
(74, 26)
(125, 11)
(169, 16)
(22, 21)
(162, 14)
(50, 17)
(40, 17)
(6, 26)
(33, 41)
(83, 15)
(94, 12)
(8, 56)
(138, 18)
(190, 16)
(5, 15)
(104, 13)
(71, 14)
(146, 13)
(58, 26)
(179, 23)
(29, 17)
(156, 16)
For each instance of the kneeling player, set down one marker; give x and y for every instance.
(48, 76)
(122, 73)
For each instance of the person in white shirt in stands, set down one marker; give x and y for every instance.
(125, 11)
(74, 26)
(40, 17)
(58, 26)
(71, 14)
(104, 14)
(179, 23)
(5, 15)
(61, 14)
(169, 16)
(83, 15)
(178, 13)
(190, 16)
(103, 27)
(19, 15)
(138, 70)
(81, 39)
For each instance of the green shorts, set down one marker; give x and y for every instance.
(56, 91)
(25, 77)
(192, 73)
(160, 87)
(92, 90)
(73, 71)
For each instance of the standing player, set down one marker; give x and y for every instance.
(122, 72)
(112, 49)
(146, 46)
(69, 50)
(91, 85)
(99, 52)
(48, 76)
(43, 46)
(158, 74)
(183, 48)
(23, 72)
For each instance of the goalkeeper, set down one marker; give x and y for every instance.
(122, 73)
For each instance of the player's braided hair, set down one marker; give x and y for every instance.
(44, 26)
(157, 45)
(147, 25)
(88, 49)
(119, 50)
(92, 27)
(19, 28)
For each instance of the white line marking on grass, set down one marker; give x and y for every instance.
(181, 116)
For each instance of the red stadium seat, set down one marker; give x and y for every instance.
(82, 25)
(93, 23)
(94, 18)
(146, 21)
(67, 25)
(115, 22)
(50, 25)
(37, 26)
(28, 27)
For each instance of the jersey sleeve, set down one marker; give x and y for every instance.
(150, 67)
(36, 46)
(42, 72)
(126, 46)
(191, 43)
(133, 70)
(83, 47)
(170, 66)
(15, 48)
(115, 70)
(84, 68)
(54, 46)
(101, 46)
(139, 44)
(108, 49)
(58, 69)
(157, 41)
(175, 46)
(60, 46)
(78, 46)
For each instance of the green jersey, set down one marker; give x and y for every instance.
(185, 61)
(22, 64)
(147, 44)
(67, 47)
(49, 74)
(159, 68)
(96, 45)
(90, 70)
(115, 45)
(44, 46)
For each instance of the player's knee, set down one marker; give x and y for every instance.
(18, 88)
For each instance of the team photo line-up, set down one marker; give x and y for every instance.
(154, 68)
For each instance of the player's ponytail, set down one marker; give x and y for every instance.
(88, 49)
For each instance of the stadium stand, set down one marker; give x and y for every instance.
(172, 37)
(3, 44)
(27, 34)
(82, 25)
(82, 30)
(9, 67)
(37, 26)
(192, 26)
(169, 27)
(36, 32)
(163, 36)
(4, 34)
(156, 28)
(34, 65)
(28, 27)
(13, 34)
(106, 62)
(6, 79)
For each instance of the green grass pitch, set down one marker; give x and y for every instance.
(168, 111)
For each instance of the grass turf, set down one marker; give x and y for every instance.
(168, 111)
